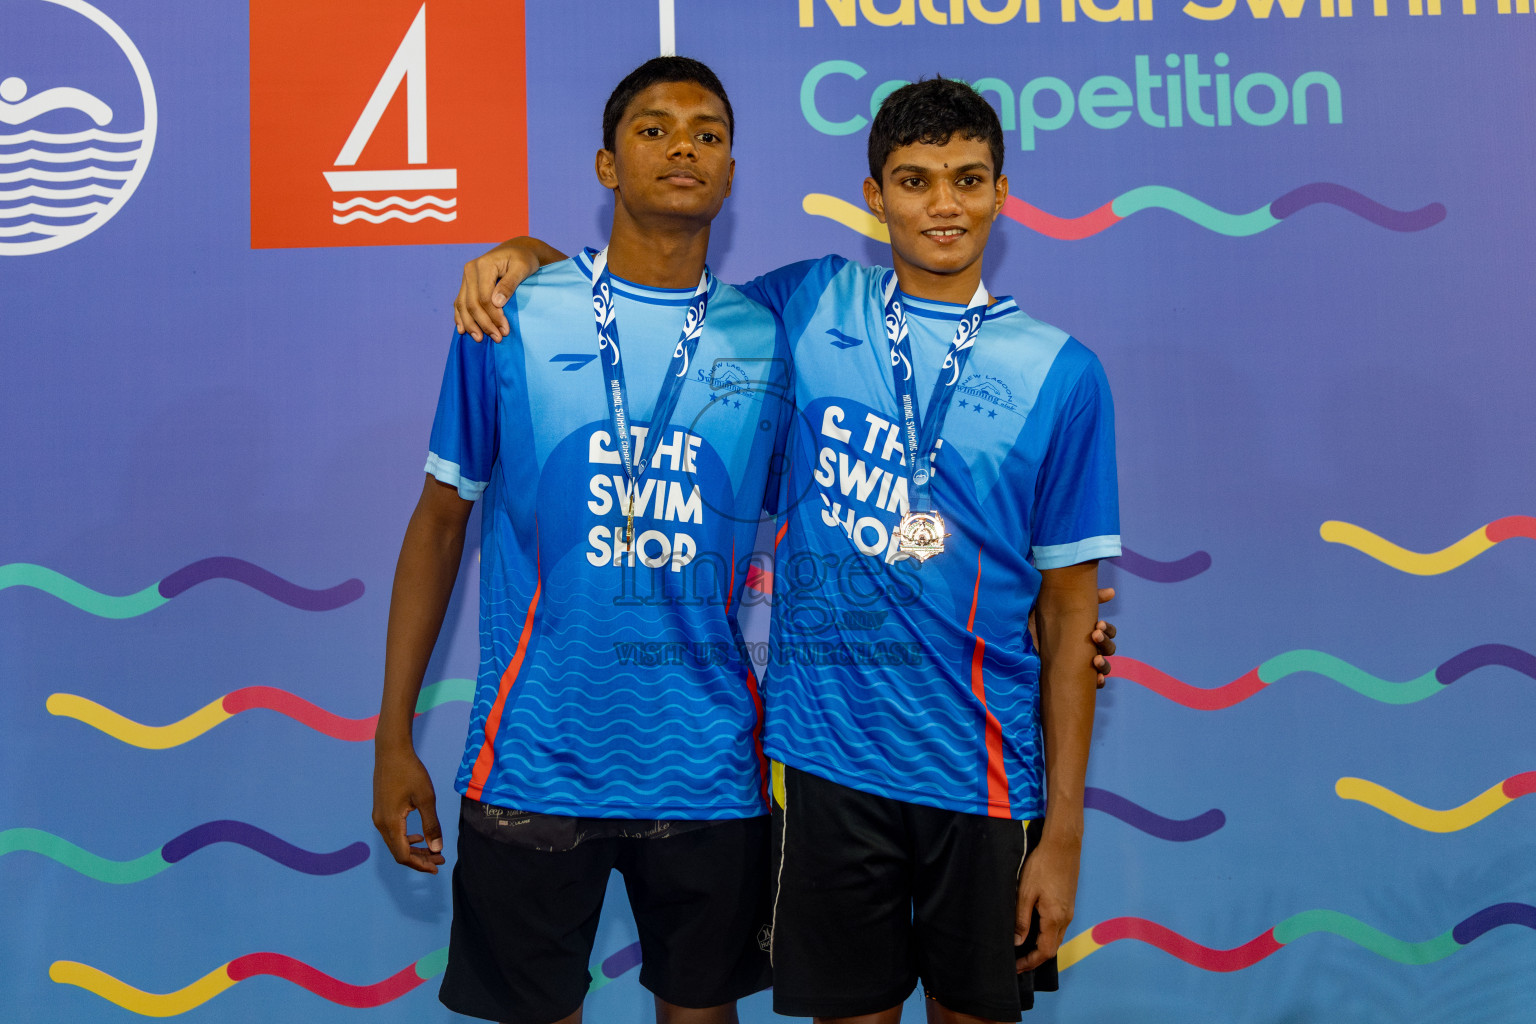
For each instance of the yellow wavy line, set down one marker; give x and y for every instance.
(150, 737)
(845, 213)
(149, 1004)
(1426, 818)
(1075, 948)
(1430, 563)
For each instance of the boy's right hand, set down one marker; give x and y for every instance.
(401, 785)
(488, 283)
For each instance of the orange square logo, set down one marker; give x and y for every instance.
(350, 146)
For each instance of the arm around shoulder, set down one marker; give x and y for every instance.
(489, 281)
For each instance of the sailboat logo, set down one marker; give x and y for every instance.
(69, 159)
(407, 67)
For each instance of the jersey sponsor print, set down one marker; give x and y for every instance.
(920, 682)
(611, 683)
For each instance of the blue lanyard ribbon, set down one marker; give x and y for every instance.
(919, 434)
(606, 314)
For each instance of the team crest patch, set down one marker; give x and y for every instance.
(988, 389)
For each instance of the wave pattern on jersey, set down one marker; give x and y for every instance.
(865, 724)
(663, 745)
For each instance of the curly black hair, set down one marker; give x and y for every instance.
(931, 111)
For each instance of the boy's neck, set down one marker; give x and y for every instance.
(957, 288)
(669, 254)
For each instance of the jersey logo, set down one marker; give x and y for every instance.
(842, 340)
(576, 359)
(982, 388)
(350, 147)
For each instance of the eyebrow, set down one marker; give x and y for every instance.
(641, 115)
(975, 165)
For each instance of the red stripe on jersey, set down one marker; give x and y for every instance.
(731, 588)
(997, 776)
(486, 758)
(780, 535)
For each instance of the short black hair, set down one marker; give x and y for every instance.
(931, 111)
(653, 72)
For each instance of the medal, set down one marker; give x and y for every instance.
(920, 534)
(606, 314)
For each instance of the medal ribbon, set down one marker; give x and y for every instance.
(919, 434)
(604, 310)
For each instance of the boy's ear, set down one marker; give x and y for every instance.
(875, 199)
(1000, 195)
(607, 174)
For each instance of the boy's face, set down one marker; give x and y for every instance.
(671, 154)
(939, 203)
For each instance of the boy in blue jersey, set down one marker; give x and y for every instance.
(951, 468)
(614, 514)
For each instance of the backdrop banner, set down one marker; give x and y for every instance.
(1298, 233)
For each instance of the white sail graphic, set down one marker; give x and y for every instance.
(408, 68)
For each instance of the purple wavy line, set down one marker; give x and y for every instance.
(622, 961)
(1357, 204)
(257, 578)
(1185, 568)
(1489, 918)
(1483, 656)
(1155, 825)
(266, 844)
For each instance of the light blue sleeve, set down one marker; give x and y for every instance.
(1077, 501)
(462, 449)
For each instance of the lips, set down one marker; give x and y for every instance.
(682, 174)
(943, 234)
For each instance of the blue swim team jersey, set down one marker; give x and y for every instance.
(609, 684)
(921, 684)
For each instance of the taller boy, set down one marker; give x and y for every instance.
(620, 442)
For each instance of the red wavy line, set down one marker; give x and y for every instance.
(1511, 526)
(323, 985)
(1067, 229)
(1214, 699)
(1174, 944)
(1517, 786)
(270, 698)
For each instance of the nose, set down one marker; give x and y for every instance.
(943, 200)
(682, 144)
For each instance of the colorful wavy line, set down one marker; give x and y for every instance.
(1291, 662)
(128, 606)
(250, 698)
(1177, 571)
(220, 979)
(1431, 563)
(1292, 928)
(1428, 819)
(614, 966)
(1172, 829)
(1160, 197)
(125, 872)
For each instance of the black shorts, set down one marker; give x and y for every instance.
(524, 920)
(873, 893)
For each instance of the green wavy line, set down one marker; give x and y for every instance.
(433, 964)
(1362, 934)
(1340, 671)
(1154, 197)
(118, 872)
(56, 584)
(444, 691)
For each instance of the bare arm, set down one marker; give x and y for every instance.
(424, 579)
(489, 281)
(1103, 636)
(1065, 617)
